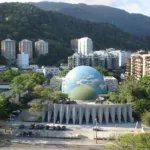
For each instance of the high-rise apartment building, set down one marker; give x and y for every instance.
(74, 45)
(23, 60)
(41, 48)
(26, 47)
(123, 55)
(138, 64)
(107, 61)
(85, 46)
(8, 48)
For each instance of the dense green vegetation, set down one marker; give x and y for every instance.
(8, 75)
(146, 118)
(19, 21)
(31, 84)
(105, 72)
(26, 82)
(64, 72)
(44, 93)
(135, 92)
(133, 23)
(131, 142)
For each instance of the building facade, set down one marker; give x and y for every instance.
(26, 47)
(138, 65)
(105, 60)
(41, 48)
(85, 46)
(8, 49)
(123, 55)
(74, 45)
(48, 70)
(23, 60)
(87, 113)
(111, 83)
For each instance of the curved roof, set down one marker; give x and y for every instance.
(83, 92)
(84, 75)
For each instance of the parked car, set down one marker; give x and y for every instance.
(41, 127)
(47, 127)
(12, 116)
(37, 127)
(58, 128)
(11, 119)
(21, 126)
(97, 129)
(32, 126)
(54, 128)
(63, 128)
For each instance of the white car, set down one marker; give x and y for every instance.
(11, 119)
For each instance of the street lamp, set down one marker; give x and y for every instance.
(96, 129)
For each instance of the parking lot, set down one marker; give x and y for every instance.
(40, 130)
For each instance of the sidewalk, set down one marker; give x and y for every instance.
(58, 142)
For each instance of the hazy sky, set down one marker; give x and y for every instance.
(132, 6)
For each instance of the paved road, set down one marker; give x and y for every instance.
(47, 147)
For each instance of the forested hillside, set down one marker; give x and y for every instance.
(19, 21)
(134, 23)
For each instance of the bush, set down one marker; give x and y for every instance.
(146, 118)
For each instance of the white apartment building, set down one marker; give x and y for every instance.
(8, 49)
(104, 60)
(41, 48)
(48, 70)
(26, 47)
(123, 55)
(111, 83)
(85, 46)
(23, 61)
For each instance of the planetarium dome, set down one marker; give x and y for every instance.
(84, 75)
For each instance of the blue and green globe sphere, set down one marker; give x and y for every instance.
(84, 75)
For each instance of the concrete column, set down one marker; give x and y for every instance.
(43, 115)
(112, 114)
(124, 113)
(68, 113)
(119, 113)
(106, 114)
(87, 114)
(61, 113)
(129, 107)
(100, 114)
(56, 111)
(50, 110)
(81, 110)
(94, 111)
(74, 114)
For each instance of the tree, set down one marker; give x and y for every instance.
(3, 108)
(102, 70)
(135, 92)
(57, 95)
(36, 106)
(9, 75)
(131, 142)
(105, 72)
(146, 118)
(46, 94)
(3, 60)
(63, 73)
(27, 82)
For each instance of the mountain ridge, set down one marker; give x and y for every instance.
(137, 24)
